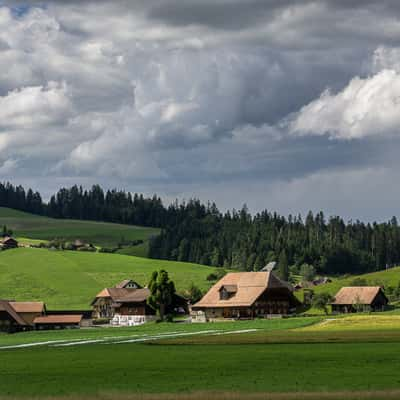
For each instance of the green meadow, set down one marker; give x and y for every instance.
(221, 364)
(105, 234)
(71, 279)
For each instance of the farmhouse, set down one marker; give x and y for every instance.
(126, 304)
(246, 295)
(26, 315)
(8, 243)
(359, 298)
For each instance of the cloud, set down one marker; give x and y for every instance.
(213, 98)
(365, 107)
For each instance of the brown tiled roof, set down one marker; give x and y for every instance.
(6, 307)
(356, 295)
(103, 293)
(250, 285)
(58, 319)
(28, 306)
(122, 284)
(124, 295)
(129, 295)
(125, 282)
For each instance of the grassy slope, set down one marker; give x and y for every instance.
(98, 233)
(68, 279)
(390, 277)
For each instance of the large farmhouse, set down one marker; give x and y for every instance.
(246, 295)
(126, 304)
(359, 298)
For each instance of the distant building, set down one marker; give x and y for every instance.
(359, 298)
(126, 304)
(8, 243)
(246, 295)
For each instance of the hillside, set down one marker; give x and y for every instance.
(98, 233)
(390, 277)
(68, 279)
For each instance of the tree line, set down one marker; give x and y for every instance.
(200, 233)
(238, 240)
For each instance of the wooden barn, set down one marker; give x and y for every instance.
(246, 295)
(29, 310)
(359, 298)
(8, 243)
(128, 299)
(10, 321)
(27, 315)
(57, 322)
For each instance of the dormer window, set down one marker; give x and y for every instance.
(227, 291)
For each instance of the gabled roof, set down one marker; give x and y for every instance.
(124, 295)
(6, 307)
(7, 239)
(123, 284)
(28, 306)
(250, 286)
(58, 319)
(129, 295)
(356, 295)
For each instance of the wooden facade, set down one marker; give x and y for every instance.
(359, 299)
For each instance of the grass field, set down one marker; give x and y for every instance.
(196, 366)
(99, 233)
(71, 279)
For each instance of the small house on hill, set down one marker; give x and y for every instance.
(246, 295)
(8, 243)
(359, 298)
(126, 304)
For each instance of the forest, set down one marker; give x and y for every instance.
(201, 233)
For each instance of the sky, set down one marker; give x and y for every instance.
(283, 105)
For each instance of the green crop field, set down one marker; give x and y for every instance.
(203, 361)
(99, 233)
(71, 279)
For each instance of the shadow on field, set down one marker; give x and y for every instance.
(346, 395)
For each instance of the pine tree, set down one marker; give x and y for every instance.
(283, 266)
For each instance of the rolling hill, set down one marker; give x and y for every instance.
(71, 279)
(390, 277)
(99, 233)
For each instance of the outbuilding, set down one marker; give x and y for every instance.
(359, 298)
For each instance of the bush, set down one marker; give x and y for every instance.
(108, 250)
(101, 321)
